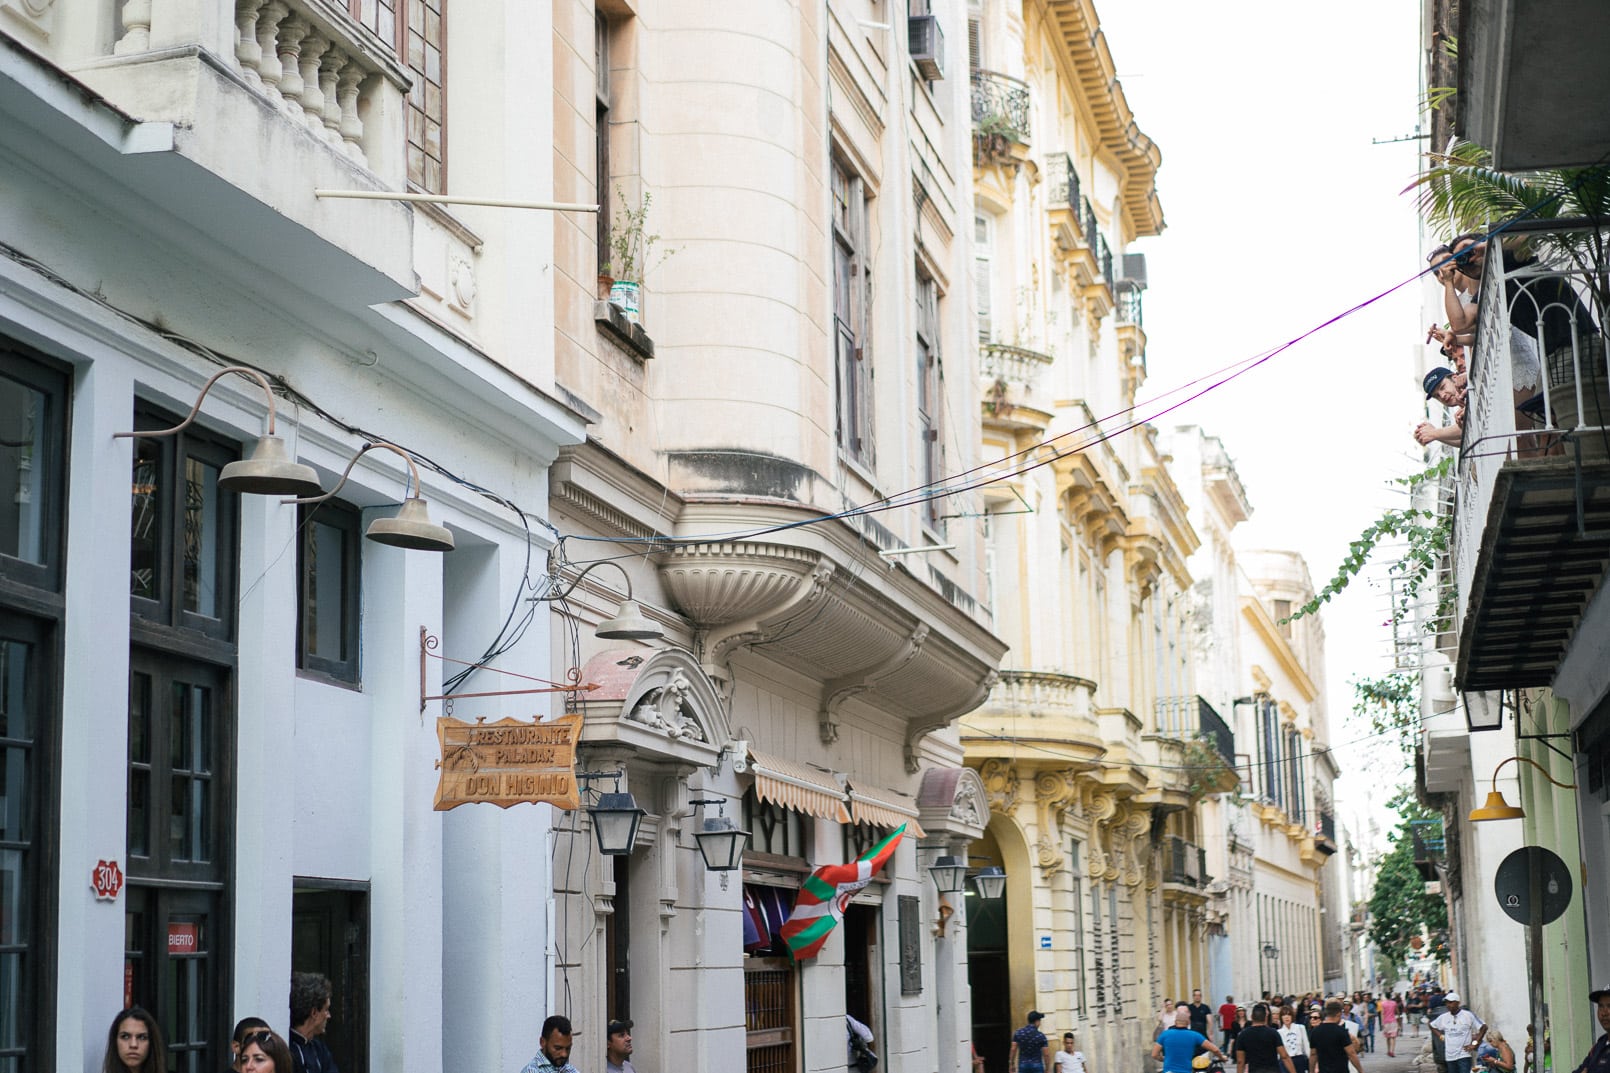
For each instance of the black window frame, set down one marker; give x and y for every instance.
(31, 610)
(170, 887)
(30, 371)
(347, 520)
(166, 611)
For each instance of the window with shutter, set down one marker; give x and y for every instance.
(983, 253)
(852, 291)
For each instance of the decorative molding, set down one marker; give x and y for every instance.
(836, 692)
(1000, 786)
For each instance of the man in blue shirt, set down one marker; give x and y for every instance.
(1177, 1046)
(1029, 1047)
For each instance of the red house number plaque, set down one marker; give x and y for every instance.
(107, 879)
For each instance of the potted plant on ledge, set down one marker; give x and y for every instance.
(631, 249)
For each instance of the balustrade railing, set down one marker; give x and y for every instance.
(1044, 693)
(1014, 364)
(1129, 304)
(1000, 105)
(307, 57)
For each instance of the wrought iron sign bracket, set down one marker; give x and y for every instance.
(427, 651)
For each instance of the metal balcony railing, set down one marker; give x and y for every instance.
(1089, 215)
(1533, 316)
(1061, 183)
(1129, 303)
(1213, 727)
(1191, 716)
(1104, 258)
(1183, 862)
(1000, 105)
(1325, 826)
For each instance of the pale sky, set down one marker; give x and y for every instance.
(1281, 213)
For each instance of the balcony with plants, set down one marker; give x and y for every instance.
(1532, 477)
(1000, 107)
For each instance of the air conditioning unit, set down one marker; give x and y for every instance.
(927, 44)
(1134, 269)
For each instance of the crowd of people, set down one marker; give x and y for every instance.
(1312, 1033)
(1542, 307)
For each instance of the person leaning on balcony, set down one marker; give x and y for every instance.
(1448, 388)
(1463, 269)
(1598, 1059)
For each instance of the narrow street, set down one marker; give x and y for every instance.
(1408, 1048)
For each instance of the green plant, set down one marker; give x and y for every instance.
(1437, 96)
(1460, 191)
(1427, 533)
(631, 244)
(1205, 767)
(1390, 705)
(1399, 907)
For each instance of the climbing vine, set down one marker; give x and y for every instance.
(1427, 533)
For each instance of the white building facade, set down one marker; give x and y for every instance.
(213, 695)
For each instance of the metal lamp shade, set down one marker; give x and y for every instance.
(1497, 808)
(629, 624)
(268, 471)
(411, 528)
(991, 883)
(949, 874)
(615, 821)
(722, 844)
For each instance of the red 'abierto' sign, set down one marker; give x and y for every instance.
(183, 938)
(128, 984)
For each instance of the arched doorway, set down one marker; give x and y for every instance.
(996, 928)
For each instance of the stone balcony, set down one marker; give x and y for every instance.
(1012, 385)
(264, 101)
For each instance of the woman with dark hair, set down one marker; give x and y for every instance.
(243, 1028)
(134, 1044)
(264, 1052)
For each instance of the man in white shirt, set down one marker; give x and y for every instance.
(1461, 1033)
(1069, 1060)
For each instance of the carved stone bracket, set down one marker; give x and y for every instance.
(1000, 786)
(1056, 792)
(836, 692)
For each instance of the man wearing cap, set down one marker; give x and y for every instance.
(1030, 1049)
(1461, 1033)
(1178, 1046)
(1448, 388)
(1598, 1059)
(618, 1048)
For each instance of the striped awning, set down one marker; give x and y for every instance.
(884, 808)
(798, 788)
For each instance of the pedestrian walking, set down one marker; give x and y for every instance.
(1389, 1023)
(310, 1016)
(1598, 1059)
(1177, 1047)
(1294, 1037)
(1201, 1014)
(1070, 1060)
(134, 1044)
(1227, 1013)
(1030, 1049)
(1461, 1033)
(553, 1048)
(618, 1048)
(1332, 1045)
(1260, 1048)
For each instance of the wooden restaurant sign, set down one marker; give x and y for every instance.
(509, 762)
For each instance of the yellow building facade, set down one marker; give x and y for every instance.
(1090, 747)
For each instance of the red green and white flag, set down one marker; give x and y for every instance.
(822, 898)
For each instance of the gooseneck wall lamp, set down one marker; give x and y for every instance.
(1497, 808)
(267, 470)
(629, 623)
(411, 527)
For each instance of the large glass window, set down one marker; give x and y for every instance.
(182, 531)
(33, 465)
(178, 821)
(32, 460)
(328, 591)
(425, 53)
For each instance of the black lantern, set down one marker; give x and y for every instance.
(615, 821)
(991, 882)
(1271, 951)
(949, 874)
(721, 841)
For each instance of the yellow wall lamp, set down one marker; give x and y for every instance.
(1497, 808)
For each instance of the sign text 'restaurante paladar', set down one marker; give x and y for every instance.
(508, 762)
